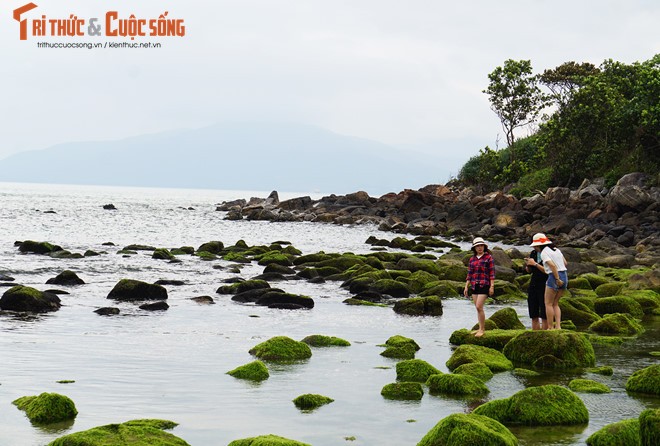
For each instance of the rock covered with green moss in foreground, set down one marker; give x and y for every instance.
(267, 440)
(148, 432)
(403, 391)
(477, 369)
(621, 433)
(28, 299)
(588, 386)
(495, 339)
(456, 384)
(281, 348)
(253, 371)
(467, 353)
(537, 406)
(468, 429)
(415, 370)
(617, 323)
(310, 401)
(47, 408)
(325, 341)
(551, 349)
(646, 380)
(649, 427)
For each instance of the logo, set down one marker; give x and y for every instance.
(112, 24)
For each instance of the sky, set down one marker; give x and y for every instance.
(405, 73)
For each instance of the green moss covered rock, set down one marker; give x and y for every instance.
(416, 264)
(325, 341)
(467, 353)
(618, 304)
(477, 369)
(617, 324)
(525, 373)
(162, 254)
(418, 280)
(588, 386)
(133, 290)
(253, 371)
(595, 280)
(507, 292)
(267, 440)
(404, 351)
(649, 427)
(47, 408)
(537, 406)
(311, 401)
(133, 433)
(621, 433)
(577, 311)
(551, 349)
(579, 283)
(468, 429)
(403, 391)
(213, 247)
(495, 339)
(240, 287)
(66, 278)
(30, 246)
(415, 370)
(419, 306)
(398, 341)
(281, 348)
(456, 384)
(456, 272)
(507, 319)
(391, 288)
(28, 299)
(442, 288)
(275, 257)
(609, 289)
(604, 370)
(646, 380)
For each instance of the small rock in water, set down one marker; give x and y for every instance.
(203, 299)
(156, 306)
(107, 311)
(109, 207)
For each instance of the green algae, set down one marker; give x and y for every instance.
(47, 408)
(311, 401)
(537, 406)
(398, 341)
(551, 349)
(456, 384)
(148, 432)
(604, 370)
(495, 339)
(617, 324)
(468, 429)
(618, 304)
(525, 373)
(621, 433)
(649, 427)
(588, 386)
(477, 369)
(646, 380)
(363, 303)
(595, 280)
(281, 348)
(325, 341)
(609, 289)
(507, 319)
(414, 370)
(404, 351)
(253, 371)
(403, 391)
(467, 353)
(267, 440)
(240, 287)
(419, 306)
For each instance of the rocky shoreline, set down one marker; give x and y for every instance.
(622, 220)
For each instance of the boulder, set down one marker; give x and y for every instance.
(617, 324)
(492, 338)
(456, 384)
(609, 289)
(30, 246)
(311, 401)
(23, 298)
(241, 287)
(325, 341)
(281, 348)
(414, 370)
(107, 311)
(66, 277)
(419, 306)
(646, 380)
(138, 432)
(649, 427)
(576, 311)
(416, 264)
(588, 386)
(274, 298)
(161, 305)
(403, 391)
(390, 287)
(133, 290)
(467, 353)
(477, 369)
(462, 429)
(549, 405)
(507, 319)
(253, 371)
(621, 433)
(618, 304)
(551, 349)
(47, 408)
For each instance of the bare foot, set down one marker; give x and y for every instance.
(479, 334)
(473, 331)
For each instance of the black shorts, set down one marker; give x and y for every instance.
(480, 289)
(536, 301)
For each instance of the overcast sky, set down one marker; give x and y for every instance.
(407, 73)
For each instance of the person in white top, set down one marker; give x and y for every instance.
(554, 264)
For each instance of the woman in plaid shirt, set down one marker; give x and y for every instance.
(481, 278)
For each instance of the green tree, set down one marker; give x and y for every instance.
(565, 79)
(515, 97)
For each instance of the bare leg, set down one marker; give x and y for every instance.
(544, 324)
(535, 324)
(549, 299)
(557, 310)
(479, 300)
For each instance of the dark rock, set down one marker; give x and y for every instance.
(155, 306)
(22, 298)
(132, 290)
(107, 311)
(138, 248)
(203, 299)
(170, 282)
(274, 298)
(109, 207)
(254, 295)
(66, 277)
(30, 246)
(4, 278)
(54, 291)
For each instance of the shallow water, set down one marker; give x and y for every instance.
(173, 364)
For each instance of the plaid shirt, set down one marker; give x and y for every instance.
(481, 271)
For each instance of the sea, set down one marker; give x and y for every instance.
(173, 364)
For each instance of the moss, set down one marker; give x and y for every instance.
(588, 386)
(617, 323)
(525, 372)
(507, 319)
(131, 290)
(418, 280)
(538, 347)
(649, 300)
(477, 369)
(390, 287)
(398, 340)
(275, 257)
(609, 289)
(621, 433)
(654, 353)
(568, 325)
(325, 341)
(646, 380)
(291, 250)
(537, 406)
(466, 353)
(415, 370)
(618, 304)
(213, 247)
(416, 264)
(606, 340)
(343, 262)
(281, 348)
(403, 391)
(419, 306)
(267, 440)
(47, 408)
(602, 370)
(23, 298)
(579, 283)
(162, 254)
(312, 258)
(360, 302)
(311, 401)
(404, 351)
(576, 311)
(442, 288)
(595, 280)
(134, 433)
(456, 384)
(495, 339)
(455, 272)
(468, 429)
(240, 287)
(233, 257)
(649, 427)
(253, 371)
(38, 247)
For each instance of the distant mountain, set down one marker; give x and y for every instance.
(244, 156)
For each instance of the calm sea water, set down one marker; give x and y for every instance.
(173, 364)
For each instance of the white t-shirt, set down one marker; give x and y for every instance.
(555, 257)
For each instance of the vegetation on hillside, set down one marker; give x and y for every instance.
(599, 122)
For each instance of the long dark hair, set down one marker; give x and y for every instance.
(551, 246)
(486, 250)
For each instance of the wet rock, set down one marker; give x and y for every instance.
(402, 391)
(622, 433)
(475, 369)
(5, 278)
(203, 299)
(493, 337)
(139, 432)
(107, 311)
(551, 349)
(617, 324)
(414, 370)
(467, 353)
(618, 304)
(281, 348)
(173, 282)
(417, 306)
(253, 371)
(311, 401)
(280, 300)
(454, 429)
(134, 290)
(155, 306)
(646, 380)
(47, 408)
(66, 277)
(29, 246)
(22, 298)
(588, 386)
(267, 440)
(325, 341)
(456, 384)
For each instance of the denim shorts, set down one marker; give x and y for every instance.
(552, 283)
